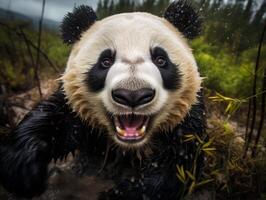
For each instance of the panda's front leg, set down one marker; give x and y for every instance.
(157, 177)
(44, 133)
(160, 185)
(23, 165)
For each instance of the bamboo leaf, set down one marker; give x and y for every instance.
(183, 172)
(191, 187)
(198, 138)
(204, 182)
(189, 139)
(207, 143)
(189, 136)
(191, 176)
(209, 149)
(228, 107)
(180, 178)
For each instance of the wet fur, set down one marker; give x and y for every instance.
(25, 155)
(74, 116)
(89, 104)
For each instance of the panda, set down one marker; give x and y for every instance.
(129, 94)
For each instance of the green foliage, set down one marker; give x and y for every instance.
(18, 59)
(108, 7)
(56, 50)
(227, 50)
(189, 177)
(232, 25)
(221, 70)
(225, 53)
(233, 177)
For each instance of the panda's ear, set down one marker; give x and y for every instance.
(74, 23)
(182, 15)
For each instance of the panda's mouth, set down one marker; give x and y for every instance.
(131, 128)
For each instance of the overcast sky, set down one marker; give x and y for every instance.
(54, 9)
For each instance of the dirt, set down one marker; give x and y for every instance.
(64, 184)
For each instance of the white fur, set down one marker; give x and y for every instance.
(131, 35)
(133, 77)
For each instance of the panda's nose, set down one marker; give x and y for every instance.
(133, 98)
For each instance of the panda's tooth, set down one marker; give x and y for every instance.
(143, 129)
(119, 130)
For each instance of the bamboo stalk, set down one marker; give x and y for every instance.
(36, 69)
(254, 99)
(45, 56)
(263, 98)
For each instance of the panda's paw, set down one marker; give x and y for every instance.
(24, 171)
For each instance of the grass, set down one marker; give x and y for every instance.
(226, 174)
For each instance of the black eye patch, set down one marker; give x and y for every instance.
(169, 71)
(97, 74)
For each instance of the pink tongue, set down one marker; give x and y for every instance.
(131, 132)
(131, 124)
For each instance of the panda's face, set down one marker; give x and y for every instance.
(132, 74)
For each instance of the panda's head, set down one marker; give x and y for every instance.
(132, 73)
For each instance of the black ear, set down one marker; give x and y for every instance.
(74, 23)
(181, 14)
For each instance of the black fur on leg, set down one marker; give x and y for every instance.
(23, 169)
(52, 130)
(157, 176)
(47, 132)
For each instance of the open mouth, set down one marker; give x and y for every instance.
(131, 128)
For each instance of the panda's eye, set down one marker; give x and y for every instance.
(107, 62)
(160, 61)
